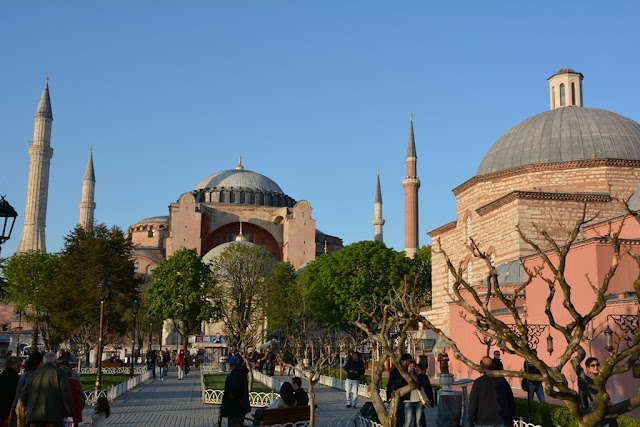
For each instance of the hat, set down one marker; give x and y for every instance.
(234, 360)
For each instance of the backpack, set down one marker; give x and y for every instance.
(369, 411)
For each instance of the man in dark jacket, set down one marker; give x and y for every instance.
(8, 383)
(491, 401)
(235, 401)
(302, 398)
(395, 382)
(46, 394)
(355, 369)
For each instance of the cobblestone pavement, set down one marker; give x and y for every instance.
(173, 403)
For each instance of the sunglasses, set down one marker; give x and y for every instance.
(594, 365)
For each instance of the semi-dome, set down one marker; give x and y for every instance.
(561, 135)
(239, 178)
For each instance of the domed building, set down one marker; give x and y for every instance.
(212, 213)
(541, 171)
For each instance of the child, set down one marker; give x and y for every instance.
(101, 412)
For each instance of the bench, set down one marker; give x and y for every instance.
(286, 415)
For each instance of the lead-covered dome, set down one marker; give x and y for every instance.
(564, 134)
(239, 178)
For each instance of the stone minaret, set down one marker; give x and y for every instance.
(411, 184)
(87, 203)
(378, 222)
(35, 216)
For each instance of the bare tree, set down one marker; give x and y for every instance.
(389, 323)
(513, 337)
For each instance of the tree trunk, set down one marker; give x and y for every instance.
(34, 337)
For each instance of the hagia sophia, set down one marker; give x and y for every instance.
(538, 174)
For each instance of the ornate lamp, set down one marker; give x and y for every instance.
(8, 217)
(151, 317)
(549, 343)
(608, 339)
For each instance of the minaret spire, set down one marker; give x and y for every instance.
(240, 237)
(40, 152)
(411, 184)
(378, 222)
(87, 203)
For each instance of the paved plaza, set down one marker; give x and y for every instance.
(173, 403)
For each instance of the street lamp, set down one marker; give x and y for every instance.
(103, 294)
(152, 317)
(627, 322)
(134, 309)
(7, 217)
(20, 314)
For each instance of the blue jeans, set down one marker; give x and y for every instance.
(536, 389)
(352, 392)
(161, 372)
(413, 412)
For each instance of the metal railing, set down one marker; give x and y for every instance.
(117, 390)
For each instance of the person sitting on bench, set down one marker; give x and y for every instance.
(286, 400)
(302, 398)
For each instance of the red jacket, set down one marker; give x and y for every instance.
(181, 360)
(76, 389)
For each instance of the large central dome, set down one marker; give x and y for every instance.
(563, 135)
(239, 178)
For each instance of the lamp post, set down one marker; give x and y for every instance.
(152, 317)
(20, 314)
(103, 294)
(134, 309)
(7, 217)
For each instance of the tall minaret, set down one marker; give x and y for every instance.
(378, 222)
(87, 203)
(411, 184)
(35, 216)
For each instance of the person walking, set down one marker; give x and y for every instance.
(491, 401)
(161, 365)
(443, 361)
(497, 363)
(166, 358)
(151, 362)
(18, 415)
(235, 400)
(101, 413)
(355, 369)
(535, 387)
(8, 384)
(181, 362)
(47, 395)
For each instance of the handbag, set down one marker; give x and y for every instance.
(423, 398)
(525, 384)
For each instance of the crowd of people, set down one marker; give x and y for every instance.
(47, 393)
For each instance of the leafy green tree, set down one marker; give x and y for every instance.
(421, 265)
(184, 290)
(284, 299)
(30, 286)
(89, 256)
(345, 284)
(242, 269)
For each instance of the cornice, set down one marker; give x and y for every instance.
(543, 195)
(545, 167)
(442, 229)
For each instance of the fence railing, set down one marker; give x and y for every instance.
(118, 390)
(137, 370)
(256, 399)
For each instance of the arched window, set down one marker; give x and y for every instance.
(573, 94)
(470, 273)
(232, 196)
(562, 102)
(553, 97)
(468, 229)
(242, 197)
(222, 197)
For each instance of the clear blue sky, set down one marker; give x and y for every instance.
(316, 95)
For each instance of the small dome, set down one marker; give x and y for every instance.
(564, 135)
(239, 178)
(565, 70)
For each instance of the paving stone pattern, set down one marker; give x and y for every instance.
(173, 403)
